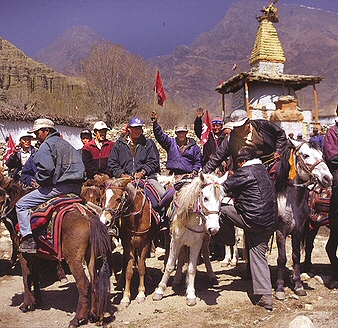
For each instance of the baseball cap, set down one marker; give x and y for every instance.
(85, 131)
(181, 128)
(100, 125)
(41, 123)
(217, 120)
(135, 121)
(238, 117)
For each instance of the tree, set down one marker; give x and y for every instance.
(118, 81)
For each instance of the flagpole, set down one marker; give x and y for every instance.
(155, 93)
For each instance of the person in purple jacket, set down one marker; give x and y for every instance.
(184, 155)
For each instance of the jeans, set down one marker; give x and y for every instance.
(39, 196)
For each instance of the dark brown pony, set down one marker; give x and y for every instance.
(122, 201)
(83, 238)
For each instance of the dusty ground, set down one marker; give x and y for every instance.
(224, 305)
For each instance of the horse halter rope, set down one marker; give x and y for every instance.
(201, 209)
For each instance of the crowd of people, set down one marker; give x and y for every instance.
(242, 147)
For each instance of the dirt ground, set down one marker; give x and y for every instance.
(224, 305)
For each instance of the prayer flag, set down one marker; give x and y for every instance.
(161, 97)
(234, 66)
(206, 128)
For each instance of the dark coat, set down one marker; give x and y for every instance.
(330, 148)
(274, 140)
(14, 164)
(189, 161)
(121, 160)
(209, 148)
(95, 159)
(254, 194)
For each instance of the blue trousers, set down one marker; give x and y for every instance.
(39, 196)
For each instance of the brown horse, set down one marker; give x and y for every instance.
(121, 200)
(83, 238)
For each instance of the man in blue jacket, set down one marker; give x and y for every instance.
(60, 170)
(135, 156)
(184, 156)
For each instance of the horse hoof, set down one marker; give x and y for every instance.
(191, 301)
(300, 292)
(125, 302)
(140, 299)
(233, 263)
(25, 308)
(157, 297)
(280, 296)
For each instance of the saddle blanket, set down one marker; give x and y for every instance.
(319, 203)
(46, 222)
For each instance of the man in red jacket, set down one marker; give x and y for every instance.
(95, 153)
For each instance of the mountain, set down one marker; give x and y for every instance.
(69, 49)
(309, 37)
(190, 74)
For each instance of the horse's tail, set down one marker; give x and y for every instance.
(101, 251)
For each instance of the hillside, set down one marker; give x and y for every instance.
(190, 74)
(309, 38)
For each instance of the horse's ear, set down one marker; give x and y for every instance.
(201, 175)
(295, 143)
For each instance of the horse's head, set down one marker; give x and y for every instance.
(310, 164)
(209, 194)
(113, 200)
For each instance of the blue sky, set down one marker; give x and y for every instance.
(146, 27)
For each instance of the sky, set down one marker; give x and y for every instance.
(149, 28)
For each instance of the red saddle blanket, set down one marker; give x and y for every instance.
(319, 202)
(46, 222)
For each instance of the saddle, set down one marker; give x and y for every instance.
(46, 222)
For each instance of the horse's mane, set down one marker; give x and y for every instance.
(189, 193)
(283, 166)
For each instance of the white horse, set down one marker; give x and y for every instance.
(196, 210)
(300, 166)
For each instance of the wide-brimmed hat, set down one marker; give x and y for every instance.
(135, 121)
(41, 123)
(181, 128)
(238, 117)
(100, 125)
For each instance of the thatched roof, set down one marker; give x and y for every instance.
(17, 115)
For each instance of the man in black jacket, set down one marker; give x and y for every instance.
(268, 139)
(255, 211)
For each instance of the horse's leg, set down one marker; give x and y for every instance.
(141, 296)
(130, 260)
(169, 268)
(310, 235)
(60, 272)
(281, 262)
(299, 289)
(182, 257)
(227, 256)
(234, 249)
(206, 256)
(75, 244)
(191, 274)
(29, 302)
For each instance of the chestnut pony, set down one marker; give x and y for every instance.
(122, 201)
(83, 239)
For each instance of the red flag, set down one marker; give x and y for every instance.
(161, 97)
(206, 128)
(10, 148)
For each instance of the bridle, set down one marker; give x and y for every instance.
(201, 209)
(307, 168)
